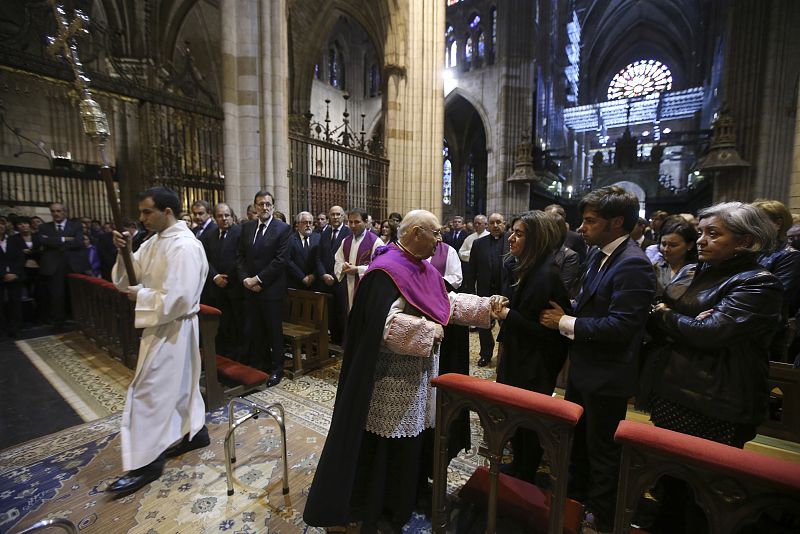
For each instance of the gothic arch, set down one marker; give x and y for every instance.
(479, 108)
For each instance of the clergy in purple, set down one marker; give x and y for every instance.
(369, 467)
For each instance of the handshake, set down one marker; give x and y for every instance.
(499, 306)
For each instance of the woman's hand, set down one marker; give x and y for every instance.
(704, 315)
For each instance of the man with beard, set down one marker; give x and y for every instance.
(304, 265)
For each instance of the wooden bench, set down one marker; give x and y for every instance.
(784, 410)
(306, 331)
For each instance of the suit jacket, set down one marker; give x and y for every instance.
(69, 254)
(328, 249)
(448, 237)
(13, 259)
(267, 259)
(211, 228)
(575, 241)
(646, 242)
(611, 311)
(478, 278)
(303, 262)
(221, 255)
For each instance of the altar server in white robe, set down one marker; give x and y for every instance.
(164, 413)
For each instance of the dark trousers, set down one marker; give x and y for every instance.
(56, 285)
(487, 343)
(337, 311)
(595, 457)
(264, 332)
(230, 335)
(11, 307)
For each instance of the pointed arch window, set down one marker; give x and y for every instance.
(374, 80)
(317, 73)
(451, 52)
(335, 67)
(468, 49)
(481, 45)
(474, 21)
(640, 78)
(470, 185)
(447, 176)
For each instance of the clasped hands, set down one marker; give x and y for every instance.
(499, 306)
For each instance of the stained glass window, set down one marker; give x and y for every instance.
(474, 21)
(493, 17)
(470, 189)
(468, 49)
(452, 48)
(481, 44)
(335, 68)
(317, 74)
(453, 54)
(374, 80)
(447, 176)
(640, 78)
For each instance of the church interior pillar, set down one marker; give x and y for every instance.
(415, 106)
(794, 187)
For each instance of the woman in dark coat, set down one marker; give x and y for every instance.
(532, 355)
(712, 336)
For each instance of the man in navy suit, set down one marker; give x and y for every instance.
(63, 252)
(202, 219)
(261, 260)
(606, 325)
(455, 238)
(222, 290)
(305, 266)
(330, 242)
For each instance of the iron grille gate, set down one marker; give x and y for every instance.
(323, 174)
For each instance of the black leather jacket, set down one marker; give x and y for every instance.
(719, 365)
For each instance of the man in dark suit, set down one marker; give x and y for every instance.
(485, 273)
(573, 240)
(304, 266)
(12, 274)
(330, 242)
(606, 326)
(321, 223)
(63, 252)
(201, 217)
(261, 260)
(638, 234)
(455, 237)
(222, 290)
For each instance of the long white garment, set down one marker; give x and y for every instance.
(452, 269)
(163, 401)
(339, 261)
(466, 247)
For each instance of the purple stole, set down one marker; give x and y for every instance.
(439, 259)
(364, 254)
(420, 284)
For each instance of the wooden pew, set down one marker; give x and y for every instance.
(306, 331)
(784, 416)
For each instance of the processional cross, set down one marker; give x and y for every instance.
(95, 123)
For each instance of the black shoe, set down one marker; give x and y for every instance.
(199, 441)
(137, 479)
(274, 379)
(483, 362)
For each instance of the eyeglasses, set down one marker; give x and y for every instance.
(436, 233)
(264, 204)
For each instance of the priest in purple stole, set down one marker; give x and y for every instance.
(355, 252)
(368, 471)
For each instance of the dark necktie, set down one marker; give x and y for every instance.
(333, 234)
(259, 233)
(60, 228)
(305, 243)
(222, 234)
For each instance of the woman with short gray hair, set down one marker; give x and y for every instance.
(711, 337)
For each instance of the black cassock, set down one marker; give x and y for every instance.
(361, 475)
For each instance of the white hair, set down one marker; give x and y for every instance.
(416, 218)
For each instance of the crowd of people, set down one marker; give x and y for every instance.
(682, 312)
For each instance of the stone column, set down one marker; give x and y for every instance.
(794, 186)
(414, 93)
(255, 77)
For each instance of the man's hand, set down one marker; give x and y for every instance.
(550, 317)
(702, 316)
(9, 277)
(308, 280)
(121, 240)
(498, 302)
(438, 332)
(221, 280)
(327, 279)
(252, 284)
(133, 292)
(349, 269)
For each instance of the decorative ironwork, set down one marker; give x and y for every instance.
(343, 135)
